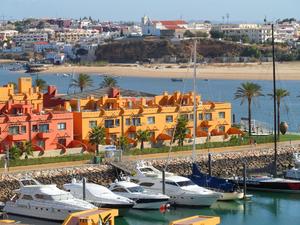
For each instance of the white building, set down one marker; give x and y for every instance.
(30, 38)
(161, 27)
(255, 32)
(286, 32)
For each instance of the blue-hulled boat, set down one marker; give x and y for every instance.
(228, 189)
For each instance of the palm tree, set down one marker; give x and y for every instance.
(27, 149)
(109, 82)
(142, 136)
(83, 81)
(42, 84)
(14, 152)
(280, 94)
(181, 130)
(96, 137)
(248, 91)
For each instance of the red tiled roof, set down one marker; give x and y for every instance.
(170, 22)
(41, 43)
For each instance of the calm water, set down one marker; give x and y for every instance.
(216, 90)
(263, 209)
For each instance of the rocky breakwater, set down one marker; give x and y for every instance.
(103, 174)
(258, 161)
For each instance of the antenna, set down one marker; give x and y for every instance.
(227, 16)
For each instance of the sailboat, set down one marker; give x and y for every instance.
(267, 183)
(228, 189)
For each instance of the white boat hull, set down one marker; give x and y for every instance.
(150, 205)
(229, 196)
(193, 200)
(37, 212)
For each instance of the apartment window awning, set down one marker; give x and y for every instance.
(205, 124)
(234, 130)
(202, 133)
(164, 137)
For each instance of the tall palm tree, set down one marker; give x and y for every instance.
(97, 136)
(83, 81)
(109, 82)
(280, 94)
(142, 136)
(248, 91)
(42, 84)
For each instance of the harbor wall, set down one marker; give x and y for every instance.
(224, 164)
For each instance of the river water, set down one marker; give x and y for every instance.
(211, 90)
(263, 208)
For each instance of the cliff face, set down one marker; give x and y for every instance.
(130, 51)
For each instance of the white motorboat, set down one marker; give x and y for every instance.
(182, 191)
(44, 201)
(294, 173)
(145, 170)
(98, 195)
(143, 199)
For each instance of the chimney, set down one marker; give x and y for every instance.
(78, 105)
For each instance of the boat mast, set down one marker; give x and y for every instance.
(195, 104)
(274, 102)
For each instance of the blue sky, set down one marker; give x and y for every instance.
(133, 10)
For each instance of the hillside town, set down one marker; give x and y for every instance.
(57, 40)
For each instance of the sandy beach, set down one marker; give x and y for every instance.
(237, 71)
(2, 61)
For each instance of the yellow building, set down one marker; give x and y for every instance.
(124, 112)
(23, 94)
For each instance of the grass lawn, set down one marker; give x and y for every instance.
(45, 160)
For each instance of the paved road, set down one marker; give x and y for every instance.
(152, 156)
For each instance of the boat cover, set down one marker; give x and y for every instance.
(204, 180)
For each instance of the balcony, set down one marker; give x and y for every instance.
(44, 134)
(18, 137)
(113, 130)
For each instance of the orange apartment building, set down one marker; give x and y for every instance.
(124, 112)
(23, 118)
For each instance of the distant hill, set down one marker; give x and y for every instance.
(143, 50)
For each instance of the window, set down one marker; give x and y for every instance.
(44, 128)
(185, 116)
(170, 132)
(208, 116)
(200, 116)
(171, 183)
(13, 130)
(41, 143)
(62, 141)
(61, 126)
(146, 184)
(117, 122)
(128, 122)
(35, 128)
(23, 129)
(151, 120)
(132, 135)
(119, 189)
(169, 119)
(92, 123)
(191, 117)
(136, 121)
(222, 115)
(222, 128)
(109, 123)
(27, 197)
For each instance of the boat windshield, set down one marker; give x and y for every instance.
(136, 189)
(146, 170)
(54, 197)
(185, 183)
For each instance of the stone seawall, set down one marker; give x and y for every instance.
(229, 164)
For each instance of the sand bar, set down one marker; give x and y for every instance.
(237, 71)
